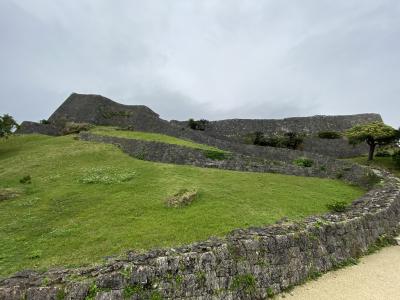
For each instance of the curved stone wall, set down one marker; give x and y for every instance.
(249, 263)
(99, 110)
(255, 162)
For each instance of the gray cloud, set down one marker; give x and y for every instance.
(211, 59)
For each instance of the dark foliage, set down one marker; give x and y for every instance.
(26, 179)
(382, 153)
(304, 162)
(215, 155)
(331, 135)
(198, 125)
(290, 140)
(7, 125)
(338, 206)
(396, 158)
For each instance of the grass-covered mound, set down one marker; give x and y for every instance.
(149, 136)
(84, 201)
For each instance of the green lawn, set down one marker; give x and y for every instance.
(60, 220)
(148, 136)
(383, 162)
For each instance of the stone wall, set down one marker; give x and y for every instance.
(308, 125)
(242, 130)
(33, 127)
(99, 110)
(169, 153)
(251, 263)
(338, 148)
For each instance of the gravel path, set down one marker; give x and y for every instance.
(376, 277)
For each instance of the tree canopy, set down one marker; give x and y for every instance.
(375, 133)
(7, 125)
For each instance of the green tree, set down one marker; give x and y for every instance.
(7, 125)
(374, 134)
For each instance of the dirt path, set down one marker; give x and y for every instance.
(376, 277)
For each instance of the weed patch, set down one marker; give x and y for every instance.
(338, 206)
(92, 292)
(245, 282)
(26, 179)
(303, 162)
(381, 242)
(106, 176)
(182, 198)
(215, 155)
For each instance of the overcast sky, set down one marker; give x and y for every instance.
(203, 59)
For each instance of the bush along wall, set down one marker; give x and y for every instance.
(253, 263)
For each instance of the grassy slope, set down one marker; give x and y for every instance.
(383, 162)
(62, 222)
(148, 136)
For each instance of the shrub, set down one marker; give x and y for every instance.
(26, 179)
(141, 155)
(382, 153)
(303, 162)
(44, 121)
(338, 206)
(290, 140)
(259, 139)
(215, 155)
(72, 127)
(270, 292)
(245, 282)
(7, 125)
(60, 295)
(331, 135)
(198, 125)
(182, 198)
(91, 294)
(396, 158)
(131, 290)
(339, 175)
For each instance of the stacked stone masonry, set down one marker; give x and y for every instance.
(258, 159)
(99, 110)
(249, 263)
(252, 263)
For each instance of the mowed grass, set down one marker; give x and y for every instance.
(382, 162)
(149, 136)
(59, 221)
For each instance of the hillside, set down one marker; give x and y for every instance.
(59, 220)
(109, 201)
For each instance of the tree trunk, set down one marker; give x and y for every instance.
(371, 151)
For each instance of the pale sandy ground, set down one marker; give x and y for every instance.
(376, 277)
